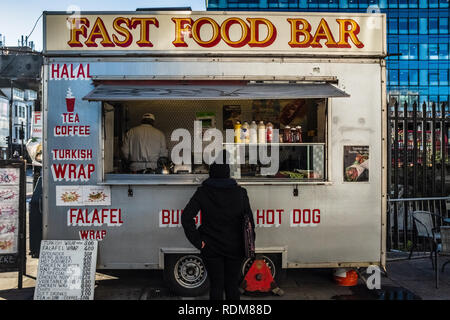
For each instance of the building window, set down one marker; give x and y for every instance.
(443, 3)
(443, 25)
(443, 51)
(393, 77)
(393, 28)
(434, 77)
(413, 25)
(423, 77)
(303, 3)
(313, 4)
(413, 3)
(353, 3)
(212, 4)
(433, 25)
(393, 4)
(423, 51)
(423, 4)
(333, 3)
(393, 49)
(433, 3)
(363, 4)
(413, 77)
(433, 51)
(403, 75)
(423, 26)
(273, 3)
(284, 3)
(403, 3)
(233, 3)
(443, 77)
(413, 54)
(403, 26)
(323, 3)
(404, 51)
(343, 4)
(383, 4)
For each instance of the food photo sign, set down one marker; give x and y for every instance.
(356, 163)
(83, 195)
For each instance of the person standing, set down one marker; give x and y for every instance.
(220, 238)
(144, 145)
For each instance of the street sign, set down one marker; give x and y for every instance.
(12, 217)
(66, 270)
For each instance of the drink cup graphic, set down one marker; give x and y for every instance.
(70, 101)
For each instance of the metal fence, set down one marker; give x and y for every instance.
(400, 221)
(419, 170)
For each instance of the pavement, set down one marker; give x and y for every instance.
(405, 280)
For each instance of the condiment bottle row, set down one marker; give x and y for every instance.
(261, 133)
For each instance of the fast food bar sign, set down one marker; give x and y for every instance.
(220, 33)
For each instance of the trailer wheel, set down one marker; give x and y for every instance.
(185, 275)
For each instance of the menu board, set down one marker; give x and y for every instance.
(12, 218)
(9, 213)
(66, 270)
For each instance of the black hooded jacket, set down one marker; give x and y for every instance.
(222, 203)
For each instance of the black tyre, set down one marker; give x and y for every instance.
(185, 275)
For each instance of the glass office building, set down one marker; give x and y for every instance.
(418, 41)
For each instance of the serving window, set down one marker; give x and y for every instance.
(248, 130)
(301, 142)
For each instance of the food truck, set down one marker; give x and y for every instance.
(311, 86)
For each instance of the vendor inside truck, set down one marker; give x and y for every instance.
(143, 146)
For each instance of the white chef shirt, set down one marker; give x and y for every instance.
(143, 146)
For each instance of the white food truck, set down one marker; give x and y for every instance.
(318, 78)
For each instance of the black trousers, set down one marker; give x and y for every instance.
(224, 275)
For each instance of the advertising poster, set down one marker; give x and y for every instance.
(34, 145)
(356, 163)
(231, 114)
(267, 111)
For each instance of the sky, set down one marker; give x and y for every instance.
(17, 17)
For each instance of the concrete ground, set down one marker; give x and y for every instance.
(406, 279)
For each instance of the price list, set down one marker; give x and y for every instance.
(66, 270)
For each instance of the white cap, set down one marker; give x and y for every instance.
(148, 116)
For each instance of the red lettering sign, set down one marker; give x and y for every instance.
(96, 217)
(72, 172)
(172, 218)
(305, 217)
(70, 71)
